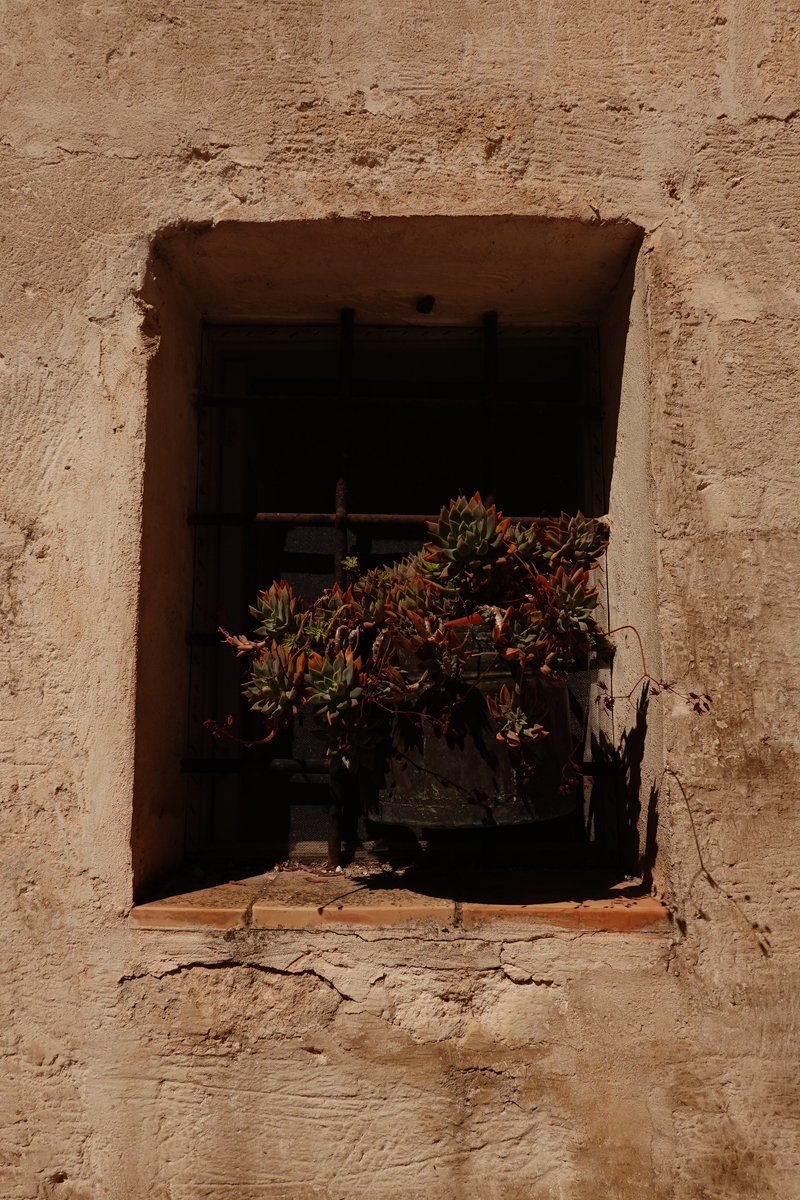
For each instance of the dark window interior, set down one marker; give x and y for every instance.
(409, 416)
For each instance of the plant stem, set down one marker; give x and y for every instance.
(335, 817)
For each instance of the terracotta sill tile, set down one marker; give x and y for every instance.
(299, 901)
(267, 914)
(618, 914)
(221, 907)
(294, 900)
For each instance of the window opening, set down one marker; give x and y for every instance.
(317, 442)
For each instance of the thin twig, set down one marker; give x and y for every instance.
(763, 943)
(700, 703)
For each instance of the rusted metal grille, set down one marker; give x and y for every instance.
(296, 425)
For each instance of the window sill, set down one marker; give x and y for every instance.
(301, 900)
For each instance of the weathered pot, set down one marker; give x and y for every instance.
(470, 779)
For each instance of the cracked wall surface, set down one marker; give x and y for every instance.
(421, 1063)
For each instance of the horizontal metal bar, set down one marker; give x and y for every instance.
(275, 766)
(327, 520)
(324, 519)
(288, 519)
(222, 518)
(352, 518)
(301, 766)
(299, 562)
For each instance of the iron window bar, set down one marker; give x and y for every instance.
(342, 391)
(351, 520)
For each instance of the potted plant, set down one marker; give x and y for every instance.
(440, 681)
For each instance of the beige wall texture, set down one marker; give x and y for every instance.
(413, 1063)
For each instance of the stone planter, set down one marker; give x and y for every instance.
(464, 777)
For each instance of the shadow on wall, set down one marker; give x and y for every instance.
(621, 790)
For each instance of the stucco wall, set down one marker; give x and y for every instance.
(421, 1064)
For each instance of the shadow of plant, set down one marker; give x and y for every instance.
(616, 806)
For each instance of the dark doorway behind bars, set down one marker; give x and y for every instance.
(321, 441)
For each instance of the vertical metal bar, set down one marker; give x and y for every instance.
(340, 533)
(220, 429)
(250, 793)
(490, 405)
(345, 378)
(335, 810)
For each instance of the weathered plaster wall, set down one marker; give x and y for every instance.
(341, 1065)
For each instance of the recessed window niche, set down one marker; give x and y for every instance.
(423, 301)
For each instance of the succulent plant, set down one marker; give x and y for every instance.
(574, 602)
(331, 609)
(391, 685)
(467, 538)
(278, 610)
(520, 634)
(418, 564)
(579, 539)
(368, 599)
(316, 629)
(416, 593)
(441, 649)
(528, 543)
(333, 684)
(566, 602)
(478, 584)
(411, 567)
(275, 685)
(517, 725)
